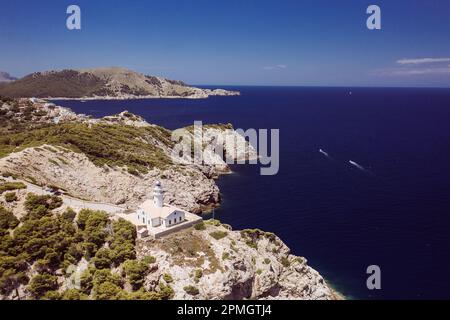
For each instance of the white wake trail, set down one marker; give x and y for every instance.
(324, 153)
(360, 167)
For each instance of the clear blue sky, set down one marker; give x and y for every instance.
(273, 42)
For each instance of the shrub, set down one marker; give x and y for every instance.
(213, 222)
(41, 284)
(40, 206)
(11, 279)
(135, 272)
(86, 281)
(285, 262)
(9, 175)
(9, 186)
(200, 226)
(218, 234)
(252, 244)
(142, 295)
(149, 260)
(225, 256)
(7, 219)
(132, 171)
(10, 197)
(82, 218)
(167, 278)
(198, 275)
(108, 291)
(193, 291)
(102, 259)
(51, 295)
(122, 252)
(166, 292)
(69, 215)
(266, 261)
(105, 275)
(74, 294)
(123, 241)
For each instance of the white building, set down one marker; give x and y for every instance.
(155, 213)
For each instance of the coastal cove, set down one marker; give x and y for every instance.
(394, 213)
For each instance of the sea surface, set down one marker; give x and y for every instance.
(393, 212)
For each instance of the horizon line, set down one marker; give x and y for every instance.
(319, 86)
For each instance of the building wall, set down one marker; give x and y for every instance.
(156, 222)
(174, 218)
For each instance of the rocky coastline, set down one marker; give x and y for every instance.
(214, 261)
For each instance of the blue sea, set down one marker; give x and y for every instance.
(394, 214)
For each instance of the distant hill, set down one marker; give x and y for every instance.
(101, 83)
(6, 77)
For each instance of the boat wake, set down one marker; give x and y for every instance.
(360, 167)
(324, 153)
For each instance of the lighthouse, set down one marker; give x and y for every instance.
(158, 195)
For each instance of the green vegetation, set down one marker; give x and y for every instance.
(252, 236)
(69, 215)
(266, 261)
(200, 226)
(193, 291)
(259, 271)
(73, 294)
(9, 175)
(149, 260)
(167, 278)
(122, 241)
(256, 234)
(50, 243)
(103, 144)
(10, 197)
(225, 256)
(285, 262)
(198, 275)
(42, 284)
(103, 258)
(252, 244)
(213, 222)
(9, 186)
(166, 292)
(41, 206)
(7, 220)
(218, 234)
(135, 272)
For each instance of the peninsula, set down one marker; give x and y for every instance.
(103, 84)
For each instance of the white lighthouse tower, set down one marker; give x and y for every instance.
(158, 195)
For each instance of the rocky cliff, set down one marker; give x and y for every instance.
(115, 159)
(214, 262)
(48, 251)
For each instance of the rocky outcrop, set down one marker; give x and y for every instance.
(74, 173)
(103, 83)
(224, 264)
